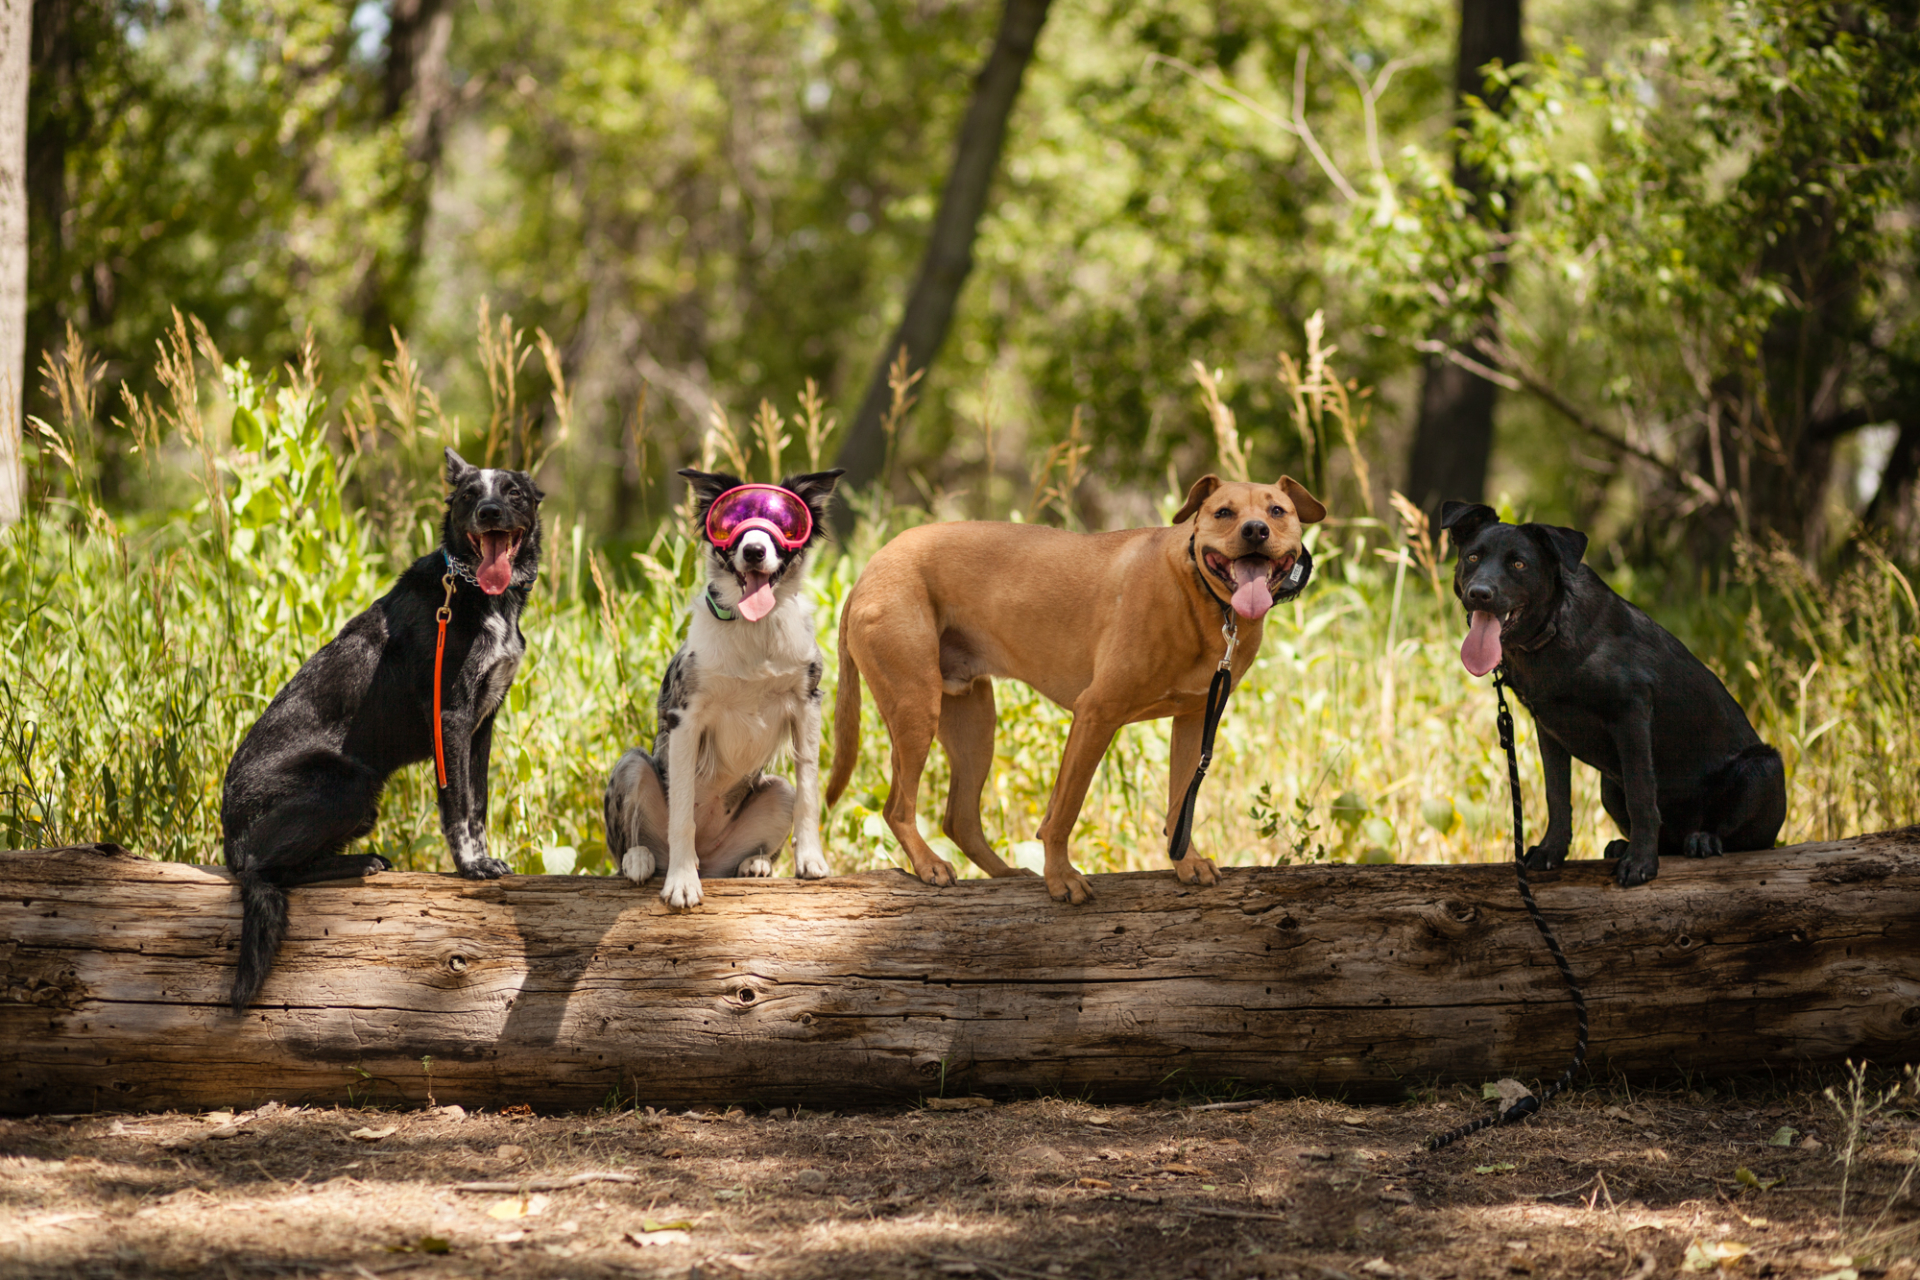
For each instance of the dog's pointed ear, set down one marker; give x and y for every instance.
(708, 485)
(816, 490)
(1566, 545)
(1202, 489)
(1309, 508)
(814, 487)
(458, 468)
(1462, 520)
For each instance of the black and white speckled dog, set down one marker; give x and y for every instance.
(307, 778)
(745, 685)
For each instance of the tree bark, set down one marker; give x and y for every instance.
(564, 992)
(1453, 437)
(16, 32)
(949, 256)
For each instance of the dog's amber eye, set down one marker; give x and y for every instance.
(1224, 513)
(1276, 511)
(1520, 564)
(1473, 559)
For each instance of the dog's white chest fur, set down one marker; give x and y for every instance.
(502, 648)
(751, 688)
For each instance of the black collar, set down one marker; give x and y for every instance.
(1206, 588)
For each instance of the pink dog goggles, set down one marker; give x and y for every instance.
(779, 512)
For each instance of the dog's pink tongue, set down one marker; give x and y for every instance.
(758, 603)
(1480, 651)
(1251, 595)
(496, 563)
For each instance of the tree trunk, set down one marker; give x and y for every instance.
(415, 86)
(949, 256)
(1453, 438)
(565, 992)
(16, 32)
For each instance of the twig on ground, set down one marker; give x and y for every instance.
(1225, 1106)
(1209, 1211)
(546, 1184)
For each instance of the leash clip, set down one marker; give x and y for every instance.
(1229, 628)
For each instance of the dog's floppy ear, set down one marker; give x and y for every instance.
(1202, 489)
(1566, 545)
(458, 468)
(1462, 520)
(1309, 508)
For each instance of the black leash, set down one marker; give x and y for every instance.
(1217, 691)
(1529, 1104)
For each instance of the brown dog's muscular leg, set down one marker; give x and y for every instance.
(1183, 757)
(1087, 742)
(966, 731)
(901, 663)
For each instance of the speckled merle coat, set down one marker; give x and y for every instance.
(307, 778)
(736, 696)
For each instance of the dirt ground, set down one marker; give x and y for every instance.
(1609, 1182)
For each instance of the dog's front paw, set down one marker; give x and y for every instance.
(1072, 887)
(758, 867)
(484, 868)
(1194, 869)
(810, 864)
(637, 864)
(1703, 844)
(681, 891)
(376, 863)
(1637, 870)
(1545, 858)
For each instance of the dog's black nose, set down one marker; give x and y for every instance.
(1479, 594)
(753, 553)
(1254, 531)
(490, 510)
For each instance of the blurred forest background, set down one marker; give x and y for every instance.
(1643, 268)
(1684, 242)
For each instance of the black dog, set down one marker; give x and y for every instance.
(1681, 769)
(307, 777)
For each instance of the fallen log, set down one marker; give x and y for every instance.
(570, 992)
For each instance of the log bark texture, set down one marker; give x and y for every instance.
(564, 992)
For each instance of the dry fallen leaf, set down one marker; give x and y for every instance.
(370, 1135)
(1705, 1255)
(508, 1210)
(1099, 1183)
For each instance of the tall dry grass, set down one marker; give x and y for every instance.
(140, 645)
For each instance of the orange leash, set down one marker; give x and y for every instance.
(445, 615)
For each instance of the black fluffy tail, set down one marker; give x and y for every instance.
(263, 923)
(296, 842)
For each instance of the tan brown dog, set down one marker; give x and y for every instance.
(1116, 627)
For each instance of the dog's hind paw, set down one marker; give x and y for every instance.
(756, 867)
(810, 865)
(1703, 844)
(637, 865)
(1615, 849)
(485, 869)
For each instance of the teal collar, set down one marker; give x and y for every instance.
(715, 607)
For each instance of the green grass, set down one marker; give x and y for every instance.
(136, 648)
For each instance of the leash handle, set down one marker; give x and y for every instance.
(443, 615)
(1529, 1105)
(1217, 690)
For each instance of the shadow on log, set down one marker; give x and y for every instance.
(571, 992)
